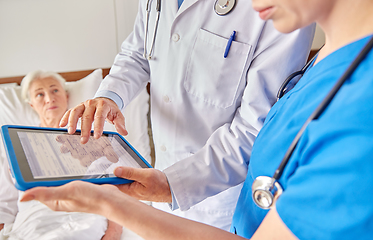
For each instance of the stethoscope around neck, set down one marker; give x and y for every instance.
(221, 7)
(285, 84)
(158, 9)
(266, 190)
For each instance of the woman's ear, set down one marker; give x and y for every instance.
(32, 106)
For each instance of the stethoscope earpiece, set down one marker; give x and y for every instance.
(265, 191)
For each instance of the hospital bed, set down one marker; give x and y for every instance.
(81, 86)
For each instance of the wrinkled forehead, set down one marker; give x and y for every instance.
(44, 84)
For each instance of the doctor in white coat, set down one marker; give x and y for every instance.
(208, 98)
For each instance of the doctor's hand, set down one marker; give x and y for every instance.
(94, 110)
(148, 184)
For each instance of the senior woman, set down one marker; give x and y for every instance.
(46, 94)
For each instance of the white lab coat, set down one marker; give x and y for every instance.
(205, 108)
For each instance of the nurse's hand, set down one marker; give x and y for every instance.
(76, 196)
(149, 184)
(97, 110)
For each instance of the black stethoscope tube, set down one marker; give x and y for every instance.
(282, 89)
(158, 9)
(323, 105)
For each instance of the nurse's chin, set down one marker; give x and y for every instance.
(284, 26)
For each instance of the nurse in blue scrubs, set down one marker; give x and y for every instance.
(327, 181)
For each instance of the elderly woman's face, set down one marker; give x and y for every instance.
(48, 99)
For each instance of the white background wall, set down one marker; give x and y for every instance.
(65, 35)
(319, 39)
(62, 35)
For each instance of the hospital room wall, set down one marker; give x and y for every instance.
(319, 39)
(65, 35)
(62, 35)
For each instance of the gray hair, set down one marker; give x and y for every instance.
(38, 74)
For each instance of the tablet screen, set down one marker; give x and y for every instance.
(56, 155)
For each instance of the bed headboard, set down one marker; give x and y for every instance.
(69, 76)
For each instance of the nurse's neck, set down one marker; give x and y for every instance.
(342, 27)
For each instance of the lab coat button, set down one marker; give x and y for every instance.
(166, 98)
(175, 37)
(163, 148)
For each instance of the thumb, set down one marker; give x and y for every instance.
(48, 196)
(38, 193)
(130, 173)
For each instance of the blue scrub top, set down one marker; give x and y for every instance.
(328, 181)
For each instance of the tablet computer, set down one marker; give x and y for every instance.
(52, 157)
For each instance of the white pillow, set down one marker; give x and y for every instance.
(83, 89)
(13, 110)
(8, 85)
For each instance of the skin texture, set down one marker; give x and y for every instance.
(113, 231)
(148, 184)
(289, 15)
(338, 19)
(97, 110)
(49, 99)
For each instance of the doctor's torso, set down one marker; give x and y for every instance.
(204, 107)
(194, 89)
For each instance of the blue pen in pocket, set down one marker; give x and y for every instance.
(231, 39)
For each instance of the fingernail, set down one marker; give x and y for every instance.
(70, 130)
(27, 198)
(118, 172)
(97, 135)
(83, 140)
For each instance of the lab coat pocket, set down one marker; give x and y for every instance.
(211, 77)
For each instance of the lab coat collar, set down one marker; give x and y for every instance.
(184, 6)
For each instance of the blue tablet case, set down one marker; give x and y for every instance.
(23, 185)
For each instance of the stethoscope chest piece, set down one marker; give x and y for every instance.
(265, 191)
(223, 7)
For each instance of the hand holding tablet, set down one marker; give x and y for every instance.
(52, 157)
